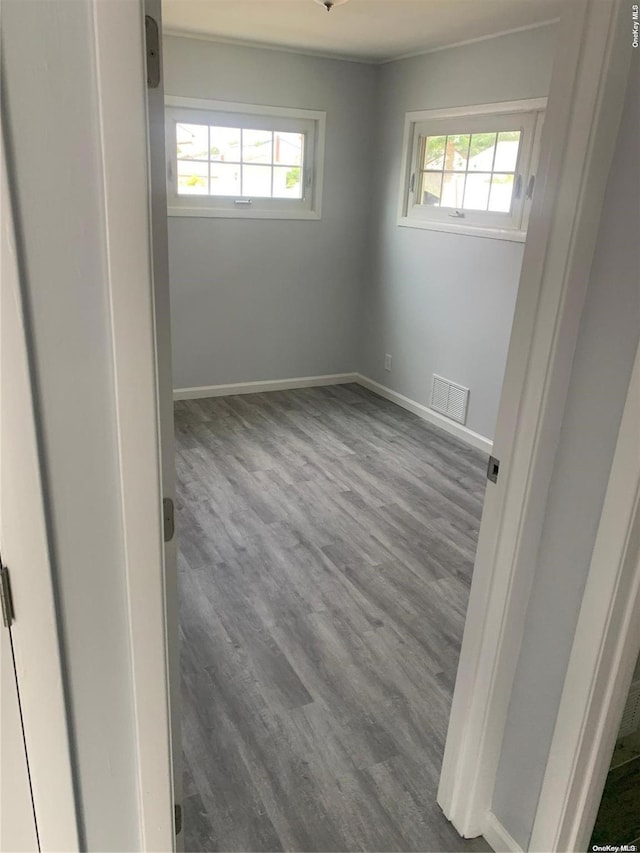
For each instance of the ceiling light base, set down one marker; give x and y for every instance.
(329, 4)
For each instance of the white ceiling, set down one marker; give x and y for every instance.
(370, 30)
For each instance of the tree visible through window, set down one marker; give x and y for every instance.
(472, 169)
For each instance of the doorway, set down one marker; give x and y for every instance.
(391, 505)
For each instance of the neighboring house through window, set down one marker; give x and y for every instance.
(472, 170)
(241, 160)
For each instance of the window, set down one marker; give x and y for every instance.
(238, 160)
(472, 170)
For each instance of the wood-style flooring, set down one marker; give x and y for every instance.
(326, 544)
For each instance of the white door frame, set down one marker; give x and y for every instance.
(603, 656)
(583, 114)
(122, 95)
(584, 108)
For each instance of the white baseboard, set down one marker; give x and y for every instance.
(458, 430)
(266, 385)
(498, 838)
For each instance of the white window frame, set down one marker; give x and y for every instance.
(256, 116)
(528, 116)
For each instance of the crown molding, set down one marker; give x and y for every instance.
(344, 57)
(259, 45)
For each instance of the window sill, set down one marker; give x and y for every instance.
(219, 213)
(512, 235)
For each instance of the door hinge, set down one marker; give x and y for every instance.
(8, 614)
(168, 518)
(177, 812)
(492, 469)
(152, 41)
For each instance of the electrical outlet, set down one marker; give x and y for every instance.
(387, 362)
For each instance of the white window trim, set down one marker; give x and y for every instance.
(412, 119)
(318, 117)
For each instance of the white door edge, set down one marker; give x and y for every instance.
(24, 541)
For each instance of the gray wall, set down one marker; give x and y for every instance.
(272, 299)
(50, 116)
(603, 362)
(443, 303)
(336, 295)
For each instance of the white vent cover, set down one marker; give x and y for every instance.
(631, 717)
(449, 399)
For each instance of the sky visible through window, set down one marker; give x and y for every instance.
(240, 162)
(469, 171)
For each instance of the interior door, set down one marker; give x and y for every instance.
(36, 776)
(160, 253)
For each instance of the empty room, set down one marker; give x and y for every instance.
(319, 418)
(348, 191)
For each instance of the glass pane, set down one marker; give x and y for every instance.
(256, 146)
(476, 194)
(434, 152)
(225, 144)
(193, 178)
(287, 182)
(507, 151)
(287, 148)
(192, 141)
(481, 152)
(453, 189)
(457, 150)
(256, 181)
(431, 189)
(225, 179)
(501, 193)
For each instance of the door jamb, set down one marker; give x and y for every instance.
(122, 113)
(584, 109)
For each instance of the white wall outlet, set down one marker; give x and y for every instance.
(387, 362)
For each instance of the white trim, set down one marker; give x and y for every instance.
(474, 439)
(514, 236)
(239, 107)
(217, 213)
(583, 114)
(121, 85)
(340, 57)
(259, 45)
(498, 838)
(548, 23)
(603, 657)
(526, 105)
(263, 385)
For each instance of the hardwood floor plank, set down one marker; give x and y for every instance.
(326, 545)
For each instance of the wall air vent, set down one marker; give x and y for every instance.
(449, 399)
(631, 717)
